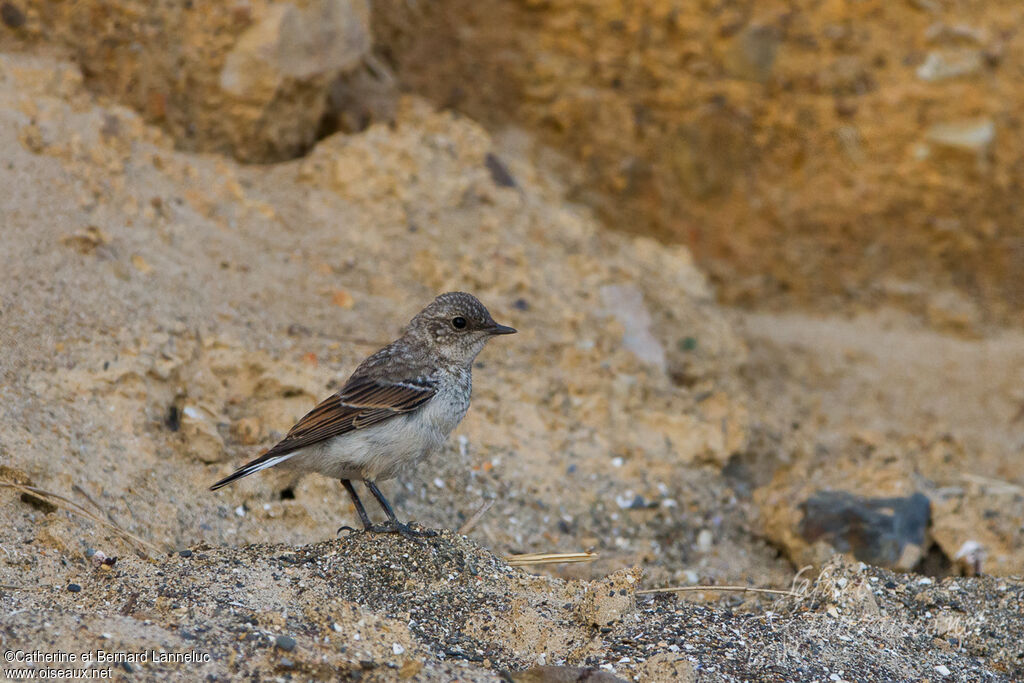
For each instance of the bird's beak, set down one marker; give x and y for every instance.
(501, 329)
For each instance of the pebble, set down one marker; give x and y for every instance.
(942, 670)
(397, 649)
(185, 553)
(74, 587)
(286, 643)
(11, 15)
(942, 65)
(975, 135)
(500, 174)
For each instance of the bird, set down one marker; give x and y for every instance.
(399, 406)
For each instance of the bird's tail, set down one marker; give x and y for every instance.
(260, 463)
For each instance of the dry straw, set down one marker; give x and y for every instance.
(549, 558)
(73, 507)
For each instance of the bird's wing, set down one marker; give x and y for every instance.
(360, 403)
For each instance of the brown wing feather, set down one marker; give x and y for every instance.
(360, 403)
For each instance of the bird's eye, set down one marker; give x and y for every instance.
(458, 322)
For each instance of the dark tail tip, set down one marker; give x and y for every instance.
(237, 474)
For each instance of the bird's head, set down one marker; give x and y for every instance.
(455, 326)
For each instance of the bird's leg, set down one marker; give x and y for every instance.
(393, 525)
(360, 510)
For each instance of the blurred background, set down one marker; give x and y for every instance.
(766, 258)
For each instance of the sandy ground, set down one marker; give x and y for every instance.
(168, 315)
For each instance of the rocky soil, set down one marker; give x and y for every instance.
(382, 608)
(168, 311)
(824, 154)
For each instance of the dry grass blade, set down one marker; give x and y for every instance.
(996, 486)
(549, 558)
(72, 506)
(735, 589)
(85, 494)
(475, 517)
(799, 584)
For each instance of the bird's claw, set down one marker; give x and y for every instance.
(403, 530)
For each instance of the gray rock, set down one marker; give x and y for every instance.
(286, 643)
(889, 532)
(626, 304)
(320, 40)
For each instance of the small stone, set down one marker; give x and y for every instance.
(942, 670)
(705, 539)
(942, 65)
(12, 15)
(500, 174)
(141, 264)
(342, 299)
(286, 643)
(74, 588)
(247, 430)
(199, 427)
(397, 649)
(185, 553)
(972, 135)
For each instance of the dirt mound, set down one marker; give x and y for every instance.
(383, 608)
